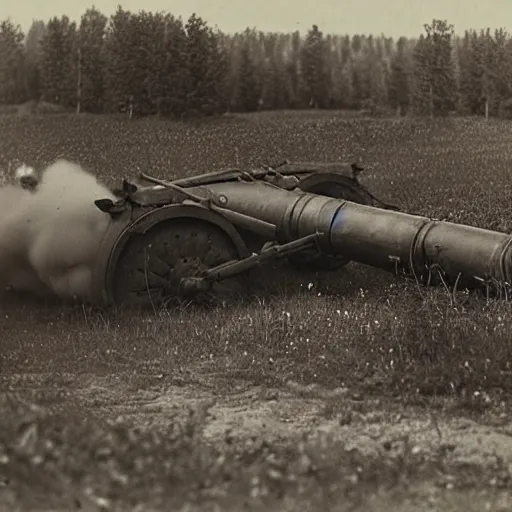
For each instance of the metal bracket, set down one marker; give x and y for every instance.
(111, 207)
(270, 251)
(203, 201)
(284, 182)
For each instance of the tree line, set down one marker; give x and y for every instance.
(148, 63)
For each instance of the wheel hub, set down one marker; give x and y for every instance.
(151, 266)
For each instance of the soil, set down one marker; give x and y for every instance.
(373, 425)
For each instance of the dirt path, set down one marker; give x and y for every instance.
(373, 426)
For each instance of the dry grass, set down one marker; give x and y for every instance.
(358, 328)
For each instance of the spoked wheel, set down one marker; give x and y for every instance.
(338, 187)
(151, 265)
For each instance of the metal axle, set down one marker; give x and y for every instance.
(270, 252)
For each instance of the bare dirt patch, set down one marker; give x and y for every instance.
(472, 456)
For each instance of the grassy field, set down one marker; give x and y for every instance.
(346, 391)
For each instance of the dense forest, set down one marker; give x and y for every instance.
(155, 63)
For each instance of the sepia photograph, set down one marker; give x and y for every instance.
(256, 256)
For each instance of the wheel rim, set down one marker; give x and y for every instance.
(151, 265)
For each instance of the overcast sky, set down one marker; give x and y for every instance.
(390, 17)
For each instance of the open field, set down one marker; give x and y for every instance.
(346, 391)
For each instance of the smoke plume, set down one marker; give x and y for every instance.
(50, 230)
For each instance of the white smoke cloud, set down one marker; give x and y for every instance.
(50, 235)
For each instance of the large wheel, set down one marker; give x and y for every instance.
(338, 187)
(151, 265)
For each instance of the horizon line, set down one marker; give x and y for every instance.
(255, 28)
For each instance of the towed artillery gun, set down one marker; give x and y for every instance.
(199, 236)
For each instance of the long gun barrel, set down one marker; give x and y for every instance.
(381, 238)
(204, 233)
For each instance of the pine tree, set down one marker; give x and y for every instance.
(336, 85)
(122, 62)
(173, 74)
(91, 60)
(207, 67)
(503, 65)
(468, 84)
(313, 63)
(270, 85)
(59, 62)
(496, 71)
(33, 59)
(347, 84)
(12, 86)
(434, 82)
(248, 92)
(294, 76)
(399, 86)
(373, 74)
(152, 63)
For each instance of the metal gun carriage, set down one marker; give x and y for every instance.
(197, 236)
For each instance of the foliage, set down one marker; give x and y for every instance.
(248, 86)
(33, 55)
(434, 78)
(206, 66)
(59, 62)
(11, 63)
(154, 63)
(91, 60)
(313, 68)
(399, 92)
